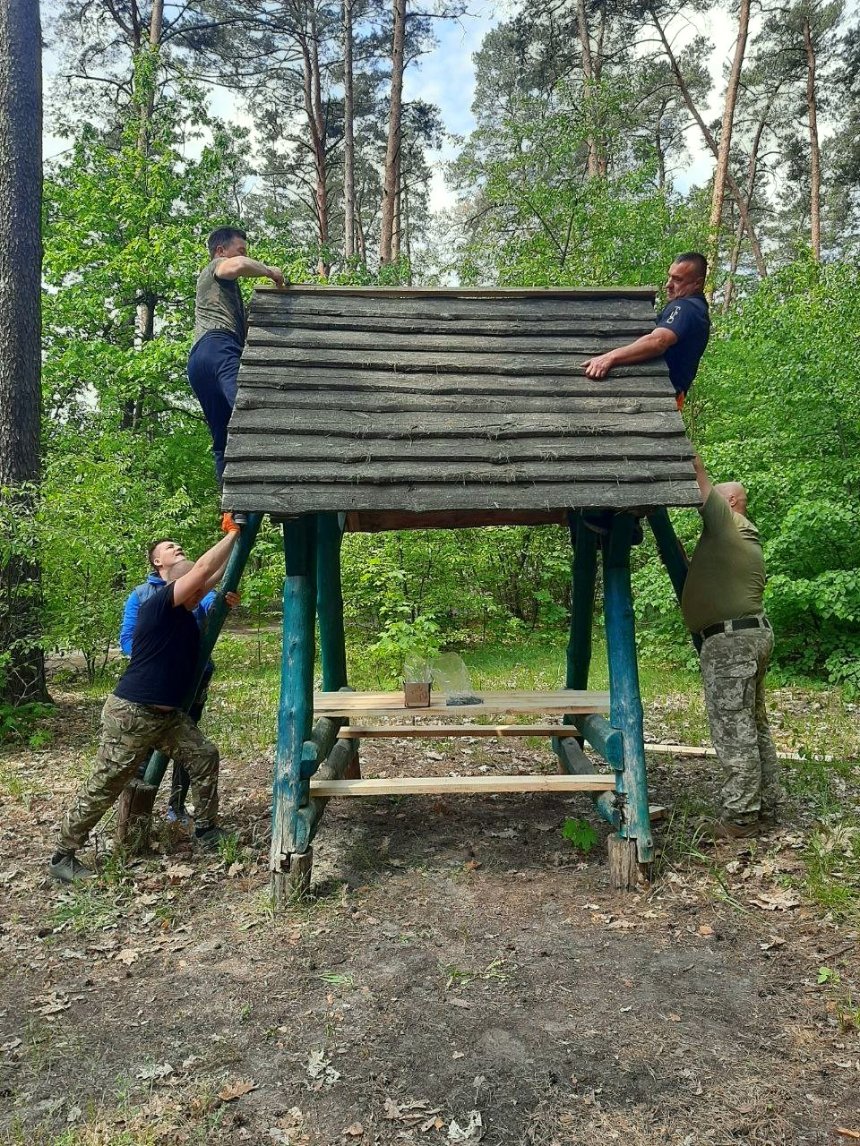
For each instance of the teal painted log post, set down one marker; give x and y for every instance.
(330, 602)
(584, 541)
(291, 782)
(624, 697)
(215, 619)
(671, 554)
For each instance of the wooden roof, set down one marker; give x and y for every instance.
(469, 406)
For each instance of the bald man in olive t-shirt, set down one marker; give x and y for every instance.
(723, 603)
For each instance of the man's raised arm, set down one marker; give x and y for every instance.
(189, 588)
(243, 267)
(651, 345)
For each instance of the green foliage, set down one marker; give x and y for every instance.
(580, 833)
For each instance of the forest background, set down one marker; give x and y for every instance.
(576, 174)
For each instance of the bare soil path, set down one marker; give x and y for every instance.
(461, 975)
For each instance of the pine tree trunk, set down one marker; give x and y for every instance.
(316, 126)
(587, 81)
(22, 677)
(395, 116)
(724, 149)
(348, 136)
(814, 145)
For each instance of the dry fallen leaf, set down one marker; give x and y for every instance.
(355, 1130)
(844, 1132)
(781, 900)
(128, 955)
(673, 1018)
(706, 931)
(176, 871)
(237, 1089)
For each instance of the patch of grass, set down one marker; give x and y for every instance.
(336, 979)
(12, 784)
(88, 907)
(832, 860)
(229, 849)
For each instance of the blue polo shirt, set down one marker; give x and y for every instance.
(164, 654)
(690, 320)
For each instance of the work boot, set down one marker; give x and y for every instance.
(210, 838)
(67, 868)
(729, 830)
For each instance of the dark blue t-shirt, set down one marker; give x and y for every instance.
(690, 320)
(164, 653)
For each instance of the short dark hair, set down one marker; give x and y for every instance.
(150, 552)
(700, 262)
(223, 235)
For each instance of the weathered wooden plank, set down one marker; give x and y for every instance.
(462, 785)
(494, 700)
(353, 470)
(393, 403)
(286, 447)
(435, 731)
(628, 384)
(488, 426)
(329, 497)
(392, 340)
(449, 362)
(515, 325)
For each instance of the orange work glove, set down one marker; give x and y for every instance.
(228, 525)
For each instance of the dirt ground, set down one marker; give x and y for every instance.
(462, 974)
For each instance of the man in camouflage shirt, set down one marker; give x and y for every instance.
(722, 602)
(145, 712)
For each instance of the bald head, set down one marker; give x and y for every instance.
(735, 495)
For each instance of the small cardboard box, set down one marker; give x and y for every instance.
(416, 693)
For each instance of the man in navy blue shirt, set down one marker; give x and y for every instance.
(145, 712)
(681, 334)
(166, 555)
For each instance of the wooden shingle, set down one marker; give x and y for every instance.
(467, 405)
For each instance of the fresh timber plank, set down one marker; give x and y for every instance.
(400, 403)
(441, 731)
(462, 785)
(624, 385)
(344, 497)
(557, 700)
(356, 469)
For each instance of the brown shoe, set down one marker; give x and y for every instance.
(729, 830)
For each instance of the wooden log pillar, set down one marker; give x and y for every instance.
(570, 756)
(134, 810)
(290, 787)
(634, 837)
(330, 613)
(671, 554)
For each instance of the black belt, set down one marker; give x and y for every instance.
(733, 626)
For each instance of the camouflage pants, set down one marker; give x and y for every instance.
(130, 732)
(733, 669)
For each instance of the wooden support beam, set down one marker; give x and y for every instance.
(330, 602)
(461, 785)
(671, 554)
(573, 762)
(584, 541)
(442, 731)
(337, 767)
(626, 701)
(603, 738)
(290, 787)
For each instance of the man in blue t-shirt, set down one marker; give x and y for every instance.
(165, 555)
(681, 334)
(145, 713)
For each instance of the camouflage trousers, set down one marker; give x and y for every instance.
(733, 670)
(130, 733)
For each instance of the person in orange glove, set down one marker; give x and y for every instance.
(681, 334)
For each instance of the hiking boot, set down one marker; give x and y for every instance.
(729, 830)
(67, 868)
(210, 838)
(181, 818)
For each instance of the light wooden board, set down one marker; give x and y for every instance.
(462, 785)
(432, 731)
(561, 700)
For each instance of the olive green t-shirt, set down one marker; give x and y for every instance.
(726, 575)
(218, 305)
